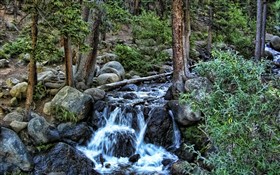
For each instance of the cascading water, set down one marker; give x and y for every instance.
(118, 146)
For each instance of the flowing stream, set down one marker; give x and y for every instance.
(118, 146)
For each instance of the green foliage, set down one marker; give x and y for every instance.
(44, 147)
(241, 115)
(149, 26)
(40, 91)
(64, 115)
(13, 49)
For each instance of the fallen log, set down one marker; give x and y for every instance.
(118, 84)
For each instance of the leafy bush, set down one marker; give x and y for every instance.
(64, 115)
(241, 115)
(149, 26)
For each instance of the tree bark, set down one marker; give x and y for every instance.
(179, 74)
(259, 30)
(186, 37)
(115, 85)
(68, 61)
(32, 72)
(263, 30)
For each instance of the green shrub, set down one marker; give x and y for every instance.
(64, 115)
(241, 115)
(149, 26)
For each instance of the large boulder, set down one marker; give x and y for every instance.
(183, 114)
(63, 158)
(159, 125)
(275, 43)
(13, 153)
(41, 131)
(72, 101)
(13, 116)
(19, 90)
(107, 78)
(113, 67)
(198, 85)
(95, 93)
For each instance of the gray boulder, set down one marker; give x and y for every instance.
(73, 101)
(19, 90)
(41, 131)
(106, 58)
(95, 93)
(275, 43)
(201, 86)
(113, 67)
(4, 63)
(13, 116)
(63, 158)
(18, 126)
(183, 114)
(107, 78)
(13, 153)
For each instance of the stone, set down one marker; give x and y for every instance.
(46, 76)
(165, 69)
(79, 133)
(129, 87)
(275, 43)
(130, 96)
(107, 78)
(106, 57)
(13, 153)
(201, 86)
(53, 91)
(13, 116)
(73, 101)
(47, 108)
(63, 158)
(13, 102)
(4, 63)
(95, 93)
(41, 131)
(186, 168)
(18, 126)
(54, 85)
(183, 114)
(10, 82)
(113, 67)
(159, 125)
(19, 90)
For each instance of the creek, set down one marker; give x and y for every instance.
(118, 146)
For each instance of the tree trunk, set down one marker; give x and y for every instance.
(186, 36)
(259, 30)
(32, 72)
(178, 52)
(136, 6)
(68, 61)
(15, 9)
(264, 12)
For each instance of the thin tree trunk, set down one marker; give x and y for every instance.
(209, 29)
(178, 51)
(32, 72)
(264, 12)
(91, 58)
(259, 30)
(136, 7)
(15, 10)
(68, 61)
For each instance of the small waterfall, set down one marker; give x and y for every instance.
(122, 136)
(177, 134)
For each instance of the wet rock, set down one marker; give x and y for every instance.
(95, 93)
(41, 131)
(134, 158)
(113, 67)
(19, 90)
(13, 153)
(18, 126)
(106, 78)
(183, 114)
(185, 153)
(129, 87)
(72, 100)
(4, 63)
(159, 125)
(275, 43)
(63, 158)
(13, 116)
(130, 96)
(185, 168)
(76, 132)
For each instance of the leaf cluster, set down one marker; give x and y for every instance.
(241, 115)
